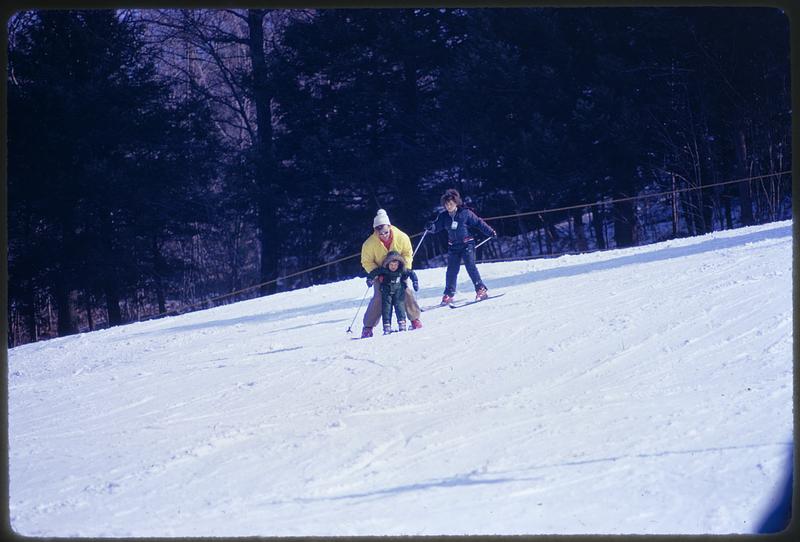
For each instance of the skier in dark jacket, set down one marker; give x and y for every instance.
(392, 276)
(457, 220)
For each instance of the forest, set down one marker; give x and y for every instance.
(164, 160)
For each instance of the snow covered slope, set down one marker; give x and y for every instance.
(645, 390)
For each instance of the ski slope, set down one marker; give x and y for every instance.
(645, 390)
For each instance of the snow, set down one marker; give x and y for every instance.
(644, 390)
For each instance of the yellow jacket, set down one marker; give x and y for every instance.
(373, 251)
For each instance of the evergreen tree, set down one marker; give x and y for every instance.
(94, 148)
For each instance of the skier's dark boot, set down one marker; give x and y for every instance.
(366, 332)
(401, 325)
(387, 328)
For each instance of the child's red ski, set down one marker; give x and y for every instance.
(465, 303)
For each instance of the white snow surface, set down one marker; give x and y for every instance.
(643, 390)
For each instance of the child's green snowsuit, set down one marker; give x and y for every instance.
(393, 288)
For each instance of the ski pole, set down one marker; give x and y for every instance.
(419, 244)
(482, 242)
(349, 328)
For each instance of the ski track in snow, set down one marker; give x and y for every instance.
(645, 390)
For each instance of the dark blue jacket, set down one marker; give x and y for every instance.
(458, 226)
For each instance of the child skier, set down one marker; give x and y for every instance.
(392, 276)
(458, 220)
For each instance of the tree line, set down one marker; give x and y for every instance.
(161, 157)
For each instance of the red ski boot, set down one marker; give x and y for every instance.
(481, 293)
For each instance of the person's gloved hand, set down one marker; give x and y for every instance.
(430, 227)
(414, 281)
(494, 234)
(370, 282)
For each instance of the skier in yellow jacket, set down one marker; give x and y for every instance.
(384, 239)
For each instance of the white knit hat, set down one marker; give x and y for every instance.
(381, 219)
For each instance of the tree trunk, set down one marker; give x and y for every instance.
(110, 281)
(87, 306)
(235, 238)
(745, 196)
(112, 299)
(28, 305)
(61, 285)
(552, 236)
(675, 215)
(523, 230)
(624, 223)
(597, 223)
(29, 311)
(726, 201)
(708, 210)
(158, 270)
(539, 240)
(580, 236)
(266, 170)
(66, 325)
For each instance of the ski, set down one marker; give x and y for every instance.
(431, 307)
(465, 303)
(381, 334)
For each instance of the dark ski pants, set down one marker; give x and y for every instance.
(396, 300)
(374, 309)
(455, 254)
